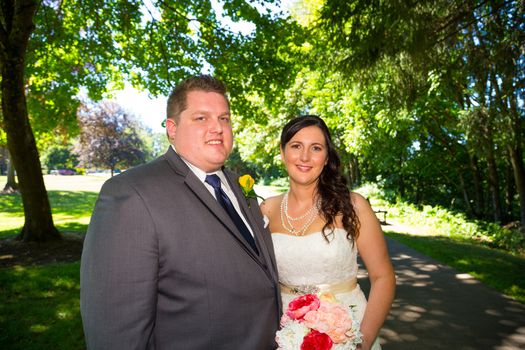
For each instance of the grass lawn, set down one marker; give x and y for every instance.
(72, 199)
(498, 269)
(40, 307)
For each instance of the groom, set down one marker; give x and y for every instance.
(175, 257)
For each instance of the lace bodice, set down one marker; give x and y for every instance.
(310, 259)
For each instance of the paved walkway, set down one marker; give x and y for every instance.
(438, 308)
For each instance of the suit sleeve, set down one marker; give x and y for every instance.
(118, 275)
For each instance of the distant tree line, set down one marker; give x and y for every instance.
(110, 138)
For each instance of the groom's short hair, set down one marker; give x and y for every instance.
(177, 101)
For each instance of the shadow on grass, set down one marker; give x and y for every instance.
(73, 203)
(78, 203)
(10, 233)
(72, 227)
(11, 203)
(64, 227)
(39, 307)
(497, 269)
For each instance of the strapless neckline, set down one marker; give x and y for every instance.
(312, 259)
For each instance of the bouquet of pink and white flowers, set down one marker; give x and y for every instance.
(318, 323)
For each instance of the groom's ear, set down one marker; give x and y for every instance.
(171, 128)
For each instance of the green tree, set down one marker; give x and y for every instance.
(450, 67)
(15, 30)
(51, 49)
(109, 137)
(60, 157)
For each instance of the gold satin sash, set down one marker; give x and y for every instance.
(341, 287)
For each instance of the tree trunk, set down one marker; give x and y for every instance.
(17, 25)
(516, 159)
(464, 191)
(11, 185)
(515, 150)
(401, 180)
(353, 171)
(510, 192)
(494, 185)
(479, 207)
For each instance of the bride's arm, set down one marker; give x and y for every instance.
(373, 250)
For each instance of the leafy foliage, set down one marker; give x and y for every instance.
(93, 46)
(60, 157)
(109, 137)
(437, 220)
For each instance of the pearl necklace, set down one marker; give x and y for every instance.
(287, 224)
(289, 218)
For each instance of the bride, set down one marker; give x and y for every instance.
(318, 227)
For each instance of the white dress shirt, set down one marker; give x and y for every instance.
(201, 175)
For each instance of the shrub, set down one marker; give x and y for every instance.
(442, 221)
(80, 171)
(59, 157)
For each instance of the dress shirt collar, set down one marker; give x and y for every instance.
(201, 174)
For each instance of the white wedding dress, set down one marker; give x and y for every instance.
(311, 260)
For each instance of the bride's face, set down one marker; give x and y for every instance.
(305, 155)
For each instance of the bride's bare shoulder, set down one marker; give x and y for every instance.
(271, 205)
(360, 203)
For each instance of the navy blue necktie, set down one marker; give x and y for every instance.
(223, 199)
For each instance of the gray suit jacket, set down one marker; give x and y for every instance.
(164, 267)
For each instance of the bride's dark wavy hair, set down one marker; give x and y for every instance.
(332, 188)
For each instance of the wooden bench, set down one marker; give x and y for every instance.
(384, 212)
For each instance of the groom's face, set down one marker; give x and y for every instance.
(203, 134)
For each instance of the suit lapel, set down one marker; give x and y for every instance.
(255, 226)
(198, 188)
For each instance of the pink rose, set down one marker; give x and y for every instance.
(301, 305)
(332, 319)
(316, 341)
(284, 320)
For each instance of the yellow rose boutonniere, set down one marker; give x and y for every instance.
(247, 182)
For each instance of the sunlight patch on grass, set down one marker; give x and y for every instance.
(64, 315)
(10, 222)
(63, 282)
(38, 328)
(48, 294)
